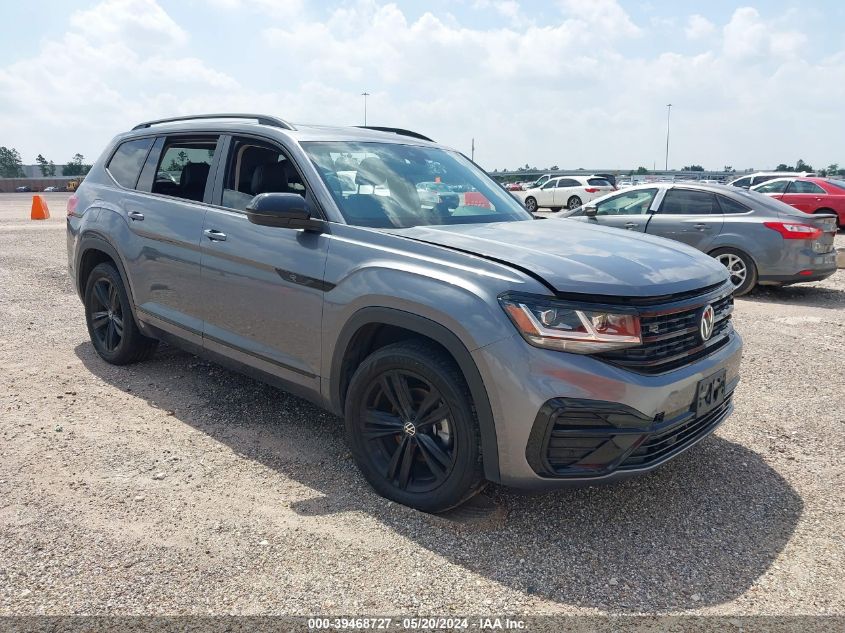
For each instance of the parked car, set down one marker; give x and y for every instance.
(608, 177)
(746, 182)
(23, 189)
(513, 186)
(50, 189)
(759, 240)
(566, 191)
(810, 195)
(461, 345)
(622, 184)
(434, 193)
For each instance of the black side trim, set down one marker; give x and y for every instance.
(196, 332)
(93, 240)
(304, 280)
(443, 336)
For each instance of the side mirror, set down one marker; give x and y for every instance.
(284, 210)
(591, 211)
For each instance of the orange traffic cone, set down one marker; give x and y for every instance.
(39, 209)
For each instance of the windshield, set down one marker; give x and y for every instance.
(386, 185)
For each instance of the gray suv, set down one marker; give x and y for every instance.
(462, 339)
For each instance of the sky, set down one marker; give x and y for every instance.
(572, 83)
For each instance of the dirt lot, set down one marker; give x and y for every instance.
(175, 486)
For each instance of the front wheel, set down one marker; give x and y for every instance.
(741, 268)
(412, 428)
(573, 203)
(531, 204)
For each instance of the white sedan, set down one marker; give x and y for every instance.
(565, 191)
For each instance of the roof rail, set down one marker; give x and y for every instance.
(396, 130)
(260, 118)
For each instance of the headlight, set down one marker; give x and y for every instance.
(560, 325)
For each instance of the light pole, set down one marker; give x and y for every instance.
(668, 112)
(365, 95)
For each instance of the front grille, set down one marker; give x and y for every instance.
(662, 444)
(671, 339)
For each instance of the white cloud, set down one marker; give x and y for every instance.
(748, 37)
(699, 27)
(559, 91)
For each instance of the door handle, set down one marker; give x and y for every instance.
(702, 227)
(631, 225)
(214, 235)
(135, 215)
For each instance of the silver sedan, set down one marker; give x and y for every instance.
(760, 240)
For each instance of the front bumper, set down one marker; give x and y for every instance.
(657, 404)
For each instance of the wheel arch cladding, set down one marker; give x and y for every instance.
(357, 340)
(94, 250)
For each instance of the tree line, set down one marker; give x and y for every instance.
(831, 171)
(11, 165)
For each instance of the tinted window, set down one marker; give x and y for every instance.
(628, 203)
(569, 182)
(776, 186)
(125, 165)
(731, 206)
(756, 180)
(804, 186)
(551, 184)
(183, 168)
(689, 202)
(598, 182)
(255, 167)
(742, 182)
(386, 179)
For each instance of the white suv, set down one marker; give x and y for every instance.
(566, 191)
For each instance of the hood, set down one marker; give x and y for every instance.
(573, 257)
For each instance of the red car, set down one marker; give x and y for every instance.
(810, 195)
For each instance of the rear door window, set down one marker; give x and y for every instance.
(569, 182)
(125, 164)
(184, 167)
(804, 186)
(689, 202)
(598, 182)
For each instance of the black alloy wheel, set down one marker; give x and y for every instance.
(106, 315)
(412, 427)
(406, 424)
(111, 324)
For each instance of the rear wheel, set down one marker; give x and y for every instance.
(531, 204)
(111, 326)
(573, 203)
(741, 268)
(412, 428)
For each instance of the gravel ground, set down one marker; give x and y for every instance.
(177, 487)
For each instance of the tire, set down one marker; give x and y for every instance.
(736, 261)
(412, 428)
(111, 326)
(573, 203)
(531, 204)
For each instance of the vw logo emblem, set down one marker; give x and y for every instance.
(708, 320)
(410, 429)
